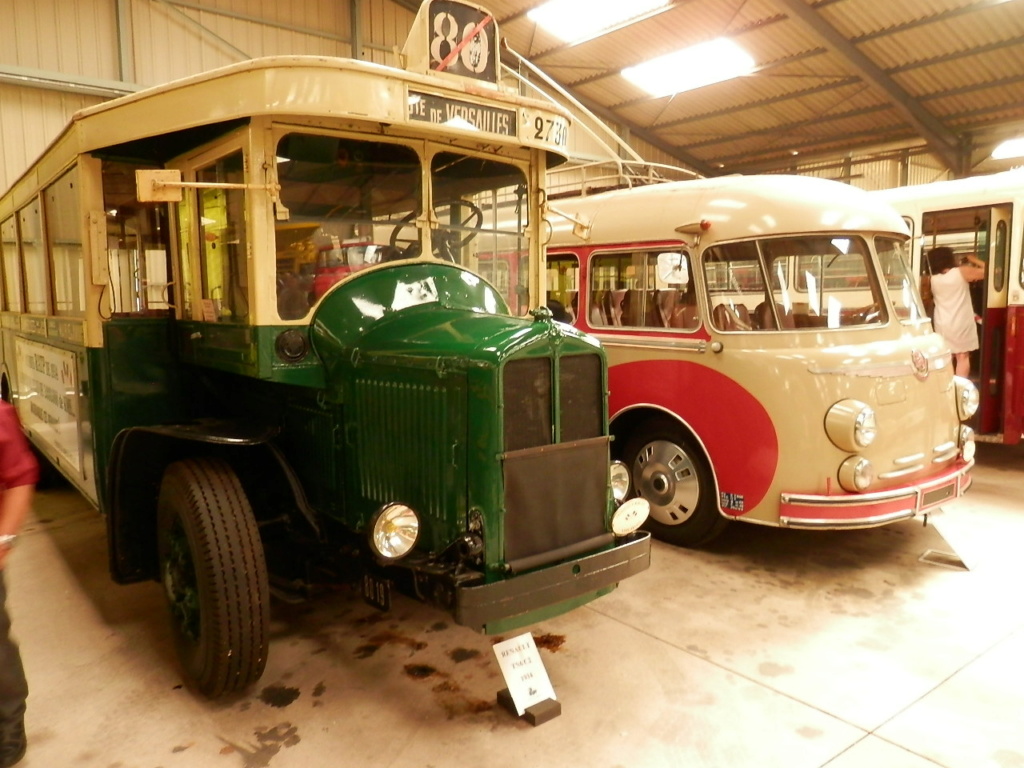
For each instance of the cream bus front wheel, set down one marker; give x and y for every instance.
(670, 471)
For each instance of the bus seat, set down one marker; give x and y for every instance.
(763, 317)
(666, 303)
(630, 307)
(734, 317)
(743, 322)
(765, 320)
(598, 313)
(614, 306)
(685, 316)
(640, 309)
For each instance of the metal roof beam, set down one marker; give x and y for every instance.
(64, 82)
(941, 141)
(759, 104)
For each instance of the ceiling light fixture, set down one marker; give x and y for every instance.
(1009, 148)
(689, 68)
(577, 20)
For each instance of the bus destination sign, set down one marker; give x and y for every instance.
(427, 107)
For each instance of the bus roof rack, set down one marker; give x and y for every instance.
(611, 164)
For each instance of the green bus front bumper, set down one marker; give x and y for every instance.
(545, 592)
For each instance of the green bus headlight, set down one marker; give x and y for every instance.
(393, 531)
(620, 481)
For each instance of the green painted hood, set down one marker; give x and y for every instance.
(431, 313)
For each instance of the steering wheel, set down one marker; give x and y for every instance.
(446, 243)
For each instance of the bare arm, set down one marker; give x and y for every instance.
(972, 273)
(14, 506)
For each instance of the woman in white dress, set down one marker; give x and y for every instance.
(953, 315)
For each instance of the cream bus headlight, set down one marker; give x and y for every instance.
(967, 397)
(620, 481)
(856, 474)
(967, 444)
(394, 530)
(630, 516)
(850, 425)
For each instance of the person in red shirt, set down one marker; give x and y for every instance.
(19, 472)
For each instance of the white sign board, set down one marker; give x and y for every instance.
(48, 398)
(524, 673)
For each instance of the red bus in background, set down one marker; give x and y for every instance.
(982, 215)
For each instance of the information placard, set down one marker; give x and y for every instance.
(440, 110)
(524, 673)
(48, 398)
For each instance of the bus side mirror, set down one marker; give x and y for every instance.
(164, 185)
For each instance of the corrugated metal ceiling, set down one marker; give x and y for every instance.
(833, 76)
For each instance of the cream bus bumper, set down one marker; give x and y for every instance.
(866, 510)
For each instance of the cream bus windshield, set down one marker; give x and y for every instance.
(354, 204)
(822, 281)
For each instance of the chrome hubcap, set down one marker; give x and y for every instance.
(666, 476)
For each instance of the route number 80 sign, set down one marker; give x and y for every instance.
(462, 41)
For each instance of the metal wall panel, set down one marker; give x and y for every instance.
(175, 38)
(29, 120)
(896, 168)
(386, 26)
(77, 38)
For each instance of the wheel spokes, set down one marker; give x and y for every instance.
(179, 577)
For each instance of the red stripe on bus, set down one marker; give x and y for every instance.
(734, 427)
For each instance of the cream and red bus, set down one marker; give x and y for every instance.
(770, 359)
(984, 216)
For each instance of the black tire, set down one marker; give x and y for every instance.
(671, 472)
(214, 576)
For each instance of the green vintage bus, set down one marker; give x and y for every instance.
(245, 314)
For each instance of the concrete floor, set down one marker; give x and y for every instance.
(771, 648)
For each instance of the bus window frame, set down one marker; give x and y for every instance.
(120, 209)
(30, 304)
(650, 287)
(1000, 255)
(50, 218)
(190, 305)
(12, 289)
(564, 291)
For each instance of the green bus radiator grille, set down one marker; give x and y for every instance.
(581, 396)
(544, 522)
(528, 396)
(404, 442)
(527, 400)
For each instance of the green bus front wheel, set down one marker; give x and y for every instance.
(214, 575)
